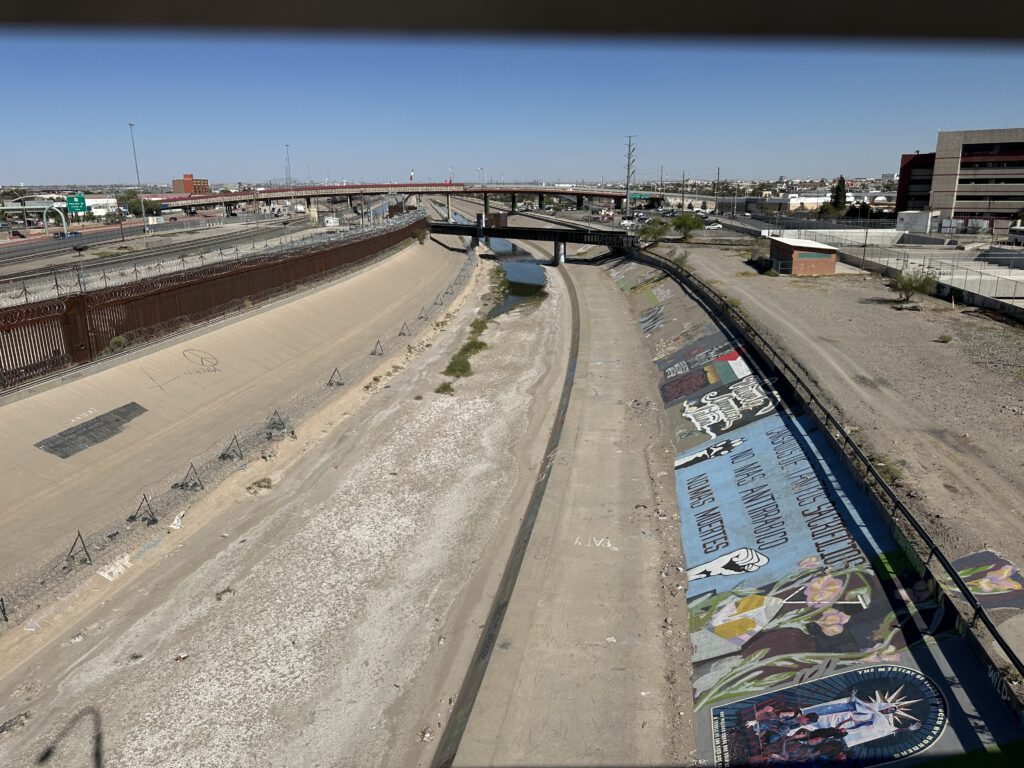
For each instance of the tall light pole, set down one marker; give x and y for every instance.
(629, 168)
(138, 182)
(288, 176)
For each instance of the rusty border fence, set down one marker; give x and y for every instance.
(48, 336)
(892, 507)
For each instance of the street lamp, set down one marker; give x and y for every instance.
(138, 182)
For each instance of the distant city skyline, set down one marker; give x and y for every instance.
(224, 107)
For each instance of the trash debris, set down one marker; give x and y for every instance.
(440, 640)
(78, 638)
(15, 722)
(181, 657)
(426, 735)
(609, 639)
(176, 525)
(225, 591)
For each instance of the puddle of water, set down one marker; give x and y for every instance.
(512, 301)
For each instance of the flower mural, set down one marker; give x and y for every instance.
(747, 641)
(990, 577)
(823, 590)
(832, 621)
(996, 581)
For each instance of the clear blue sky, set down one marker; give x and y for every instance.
(373, 108)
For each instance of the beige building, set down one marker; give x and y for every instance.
(978, 179)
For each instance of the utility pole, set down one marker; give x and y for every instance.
(661, 184)
(718, 180)
(629, 169)
(288, 174)
(138, 182)
(682, 203)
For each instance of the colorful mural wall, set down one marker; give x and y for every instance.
(806, 623)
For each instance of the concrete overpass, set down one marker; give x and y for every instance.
(517, 192)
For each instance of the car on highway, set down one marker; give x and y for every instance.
(713, 225)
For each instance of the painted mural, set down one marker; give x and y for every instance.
(869, 716)
(711, 412)
(994, 580)
(805, 618)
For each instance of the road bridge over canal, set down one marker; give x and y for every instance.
(608, 238)
(515, 192)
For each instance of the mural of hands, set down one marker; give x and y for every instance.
(743, 560)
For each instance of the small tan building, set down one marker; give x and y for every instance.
(790, 256)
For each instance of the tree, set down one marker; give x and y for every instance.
(703, 205)
(653, 230)
(829, 211)
(689, 206)
(839, 192)
(131, 199)
(908, 283)
(687, 223)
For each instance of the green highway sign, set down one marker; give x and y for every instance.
(76, 203)
(639, 195)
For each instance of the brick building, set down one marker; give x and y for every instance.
(188, 185)
(790, 256)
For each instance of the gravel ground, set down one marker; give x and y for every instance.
(946, 414)
(304, 626)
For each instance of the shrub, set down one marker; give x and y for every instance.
(944, 339)
(116, 344)
(263, 484)
(445, 389)
(907, 283)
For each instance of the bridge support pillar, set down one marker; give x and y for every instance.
(559, 256)
(579, 202)
(540, 201)
(448, 204)
(487, 204)
(618, 203)
(513, 201)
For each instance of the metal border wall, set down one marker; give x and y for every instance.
(857, 462)
(45, 337)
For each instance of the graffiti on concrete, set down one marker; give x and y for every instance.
(724, 369)
(652, 319)
(869, 716)
(726, 408)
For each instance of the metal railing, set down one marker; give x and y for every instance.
(847, 447)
